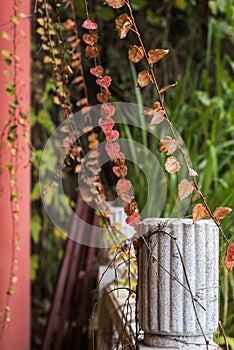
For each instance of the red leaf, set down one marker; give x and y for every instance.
(199, 212)
(112, 149)
(126, 197)
(87, 24)
(133, 220)
(107, 110)
(123, 185)
(229, 259)
(221, 213)
(69, 25)
(106, 125)
(97, 71)
(113, 135)
(104, 82)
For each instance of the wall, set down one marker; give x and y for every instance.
(16, 335)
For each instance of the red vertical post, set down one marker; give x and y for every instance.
(16, 334)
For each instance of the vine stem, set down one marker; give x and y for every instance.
(161, 100)
(86, 9)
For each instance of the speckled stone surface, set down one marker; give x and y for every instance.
(178, 282)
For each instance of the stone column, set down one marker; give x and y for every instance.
(178, 283)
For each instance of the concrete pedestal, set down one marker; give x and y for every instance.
(178, 283)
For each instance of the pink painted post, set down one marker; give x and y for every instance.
(16, 334)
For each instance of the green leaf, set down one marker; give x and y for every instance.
(138, 4)
(180, 4)
(213, 7)
(35, 228)
(34, 265)
(10, 89)
(13, 104)
(204, 98)
(7, 61)
(107, 14)
(8, 73)
(12, 134)
(151, 18)
(6, 53)
(36, 194)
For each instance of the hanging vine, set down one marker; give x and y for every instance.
(15, 128)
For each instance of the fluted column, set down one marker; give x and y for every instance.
(178, 282)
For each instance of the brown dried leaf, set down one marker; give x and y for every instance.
(157, 107)
(104, 96)
(116, 4)
(120, 171)
(77, 80)
(91, 51)
(192, 172)
(130, 207)
(123, 25)
(120, 160)
(221, 213)
(168, 146)
(185, 188)
(172, 165)
(71, 38)
(157, 112)
(156, 55)
(135, 53)
(82, 102)
(199, 212)
(165, 88)
(144, 78)
(90, 38)
(158, 117)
